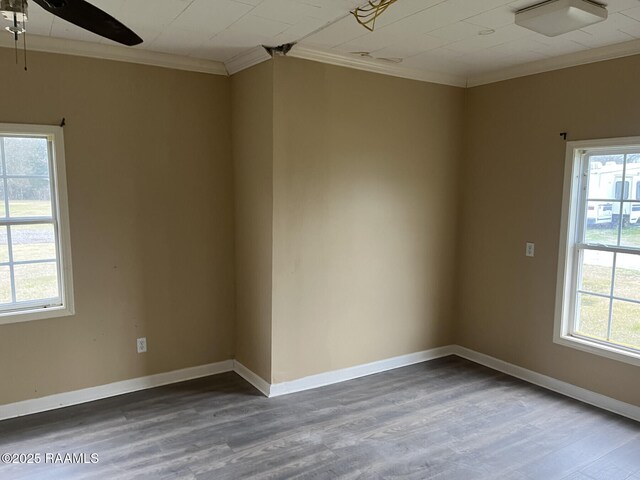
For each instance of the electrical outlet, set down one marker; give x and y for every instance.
(142, 345)
(531, 249)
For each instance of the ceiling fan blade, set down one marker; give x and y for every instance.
(91, 18)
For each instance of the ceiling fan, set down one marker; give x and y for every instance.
(79, 12)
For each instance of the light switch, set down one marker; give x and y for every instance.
(531, 249)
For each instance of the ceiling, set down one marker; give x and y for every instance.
(207, 29)
(417, 35)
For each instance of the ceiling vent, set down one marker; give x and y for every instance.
(555, 17)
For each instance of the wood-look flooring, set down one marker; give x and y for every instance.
(445, 419)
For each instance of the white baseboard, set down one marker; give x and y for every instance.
(344, 374)
(253, 378)
(60, 400)
(564, 388)
(67, 399)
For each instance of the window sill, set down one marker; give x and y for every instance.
(35, 314)
(607, 351)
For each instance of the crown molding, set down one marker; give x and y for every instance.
(258, 54)
(584, 57)
(120, 54)
(375, 66)
(247, 59)
(593, 55)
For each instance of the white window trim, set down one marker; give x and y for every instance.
(565, 292)
(60, 204)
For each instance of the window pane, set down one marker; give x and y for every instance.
(36, 281)
(593, 316)
(29, 197)
(618, 189)
(596, 271)
(601, 227)
(634, 211)
(5, 285)
(4, 247)
(604, 172)
(33, 242)
(3, 208)
(26, 156)
(627, 276)
(625, 325)
(630, 235)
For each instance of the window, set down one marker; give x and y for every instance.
(619, 189)
(35, 258)
(598, 301)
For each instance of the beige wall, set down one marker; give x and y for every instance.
(151, 206)
(365, 188)
(512, 193)
(252, 133)
(353, 216)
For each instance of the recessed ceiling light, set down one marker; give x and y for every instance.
(555, 17)
(488, 31)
